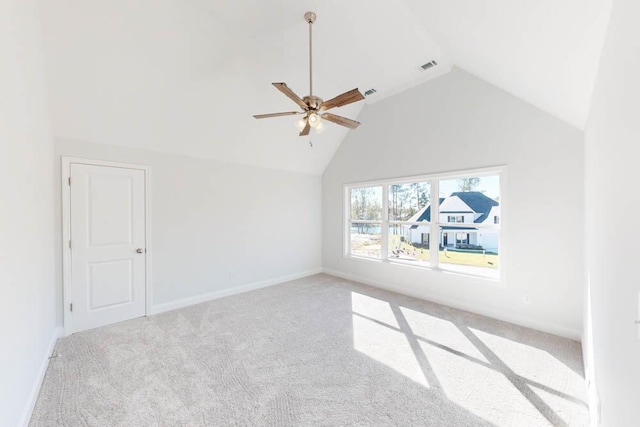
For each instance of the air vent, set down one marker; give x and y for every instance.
(370, 92)
(428, 65)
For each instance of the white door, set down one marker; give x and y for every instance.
(108, 252)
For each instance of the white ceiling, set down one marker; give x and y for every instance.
(544, 51)
(185, 76)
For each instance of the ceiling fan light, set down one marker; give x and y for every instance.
(314, 120)
(300, 124)
(320, 128)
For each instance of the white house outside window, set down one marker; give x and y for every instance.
(402, 221)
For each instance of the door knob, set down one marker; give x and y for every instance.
(140, 250)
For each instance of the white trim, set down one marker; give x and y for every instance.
(186, 302)
(384, 227)
(527, 322)
(430, 269)
(480, 172)
(434, 228)
(503, 246)
(33, 396)
(65, 173)
(367, 221)
(346, 223)
(147, 235)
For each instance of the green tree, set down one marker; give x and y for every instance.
(468, 184)
(421, 195)
(364, 206)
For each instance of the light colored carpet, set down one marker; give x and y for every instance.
(316, 351)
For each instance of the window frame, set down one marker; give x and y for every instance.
(349, 221)
(435, 226)
(401, 223)
(456, 219)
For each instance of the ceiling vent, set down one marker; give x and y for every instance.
(370, 92)
(428, 65)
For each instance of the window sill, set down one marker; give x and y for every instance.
(455, 270)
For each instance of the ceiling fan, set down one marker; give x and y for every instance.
(313, 107)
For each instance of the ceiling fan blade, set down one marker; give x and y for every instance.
(282, 87)
(306, 130)
(266, 116)
(342, 121)
(353, 95)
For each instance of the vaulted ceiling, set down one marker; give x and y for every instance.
(185, 76)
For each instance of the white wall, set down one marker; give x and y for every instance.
(217, 226)
(27, 318)
(455, 122)
(612, 152)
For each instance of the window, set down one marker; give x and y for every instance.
(366, 221)
(402, 221)
(408, 209)
(455, 219)
(472, 246)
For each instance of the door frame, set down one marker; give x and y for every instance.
(65, 176)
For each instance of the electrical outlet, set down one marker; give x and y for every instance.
(526, 299)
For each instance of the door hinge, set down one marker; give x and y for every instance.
(69, 181)
(69, 244)
(71, 307)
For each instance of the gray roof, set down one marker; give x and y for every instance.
(426, 215)
(479, 202)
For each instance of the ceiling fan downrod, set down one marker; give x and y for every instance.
(310, 17)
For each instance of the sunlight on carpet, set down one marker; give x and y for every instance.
(376, 334)
(475, 369)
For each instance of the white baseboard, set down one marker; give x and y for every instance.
(505, 317)
(185, 302)
(33, 397)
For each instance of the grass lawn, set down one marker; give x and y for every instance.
(466, 258)
(369, 245)
(450, 257)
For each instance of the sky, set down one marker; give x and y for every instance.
(489, 185)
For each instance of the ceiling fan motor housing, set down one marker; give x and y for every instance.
(313, 102)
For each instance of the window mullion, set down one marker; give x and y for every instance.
(384, 231)
(434, 240)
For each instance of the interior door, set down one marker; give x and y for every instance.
(108, 253)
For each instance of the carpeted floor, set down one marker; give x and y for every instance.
(315, 351)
